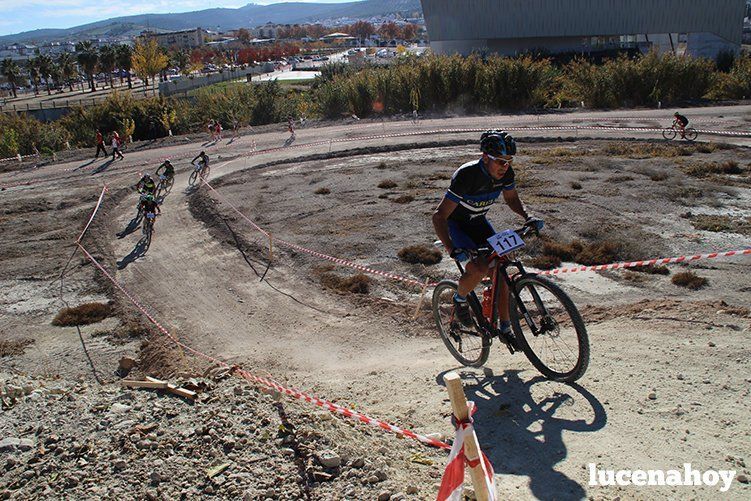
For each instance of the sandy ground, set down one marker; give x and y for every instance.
(686, 349)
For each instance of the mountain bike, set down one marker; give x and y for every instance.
(199, 169)
(148, 228)
(689, 133)
(165, 184)
(545, 323)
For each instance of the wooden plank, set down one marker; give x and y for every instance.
(185, 393)
(160, 385)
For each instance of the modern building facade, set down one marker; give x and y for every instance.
(508, 27)
(186, 39)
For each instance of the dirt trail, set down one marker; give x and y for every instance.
(660, 390)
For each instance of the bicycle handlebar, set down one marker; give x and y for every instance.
(488, 250)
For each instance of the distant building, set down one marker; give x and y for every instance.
(186, 39)
(510, 27)
(268, 30)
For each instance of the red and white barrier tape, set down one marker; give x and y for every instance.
(270, 383)
(337, 260)
(93, 214)
(650, 262)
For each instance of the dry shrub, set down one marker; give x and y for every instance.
(576, 186)
(705, 147)
(658, 176)
(439, 177)
(387, 184)
(545, 262)
(588, 254)
(554, 155)
(322, 191)
(383, 195)
(634, 278)
(87, 313)
(420, 254)
(646, 150)
(700, 169)
(382, 166)
(689, 279)
(404, 199)
(356, 284)
(652, 270)
(14, 347)
(719, 223)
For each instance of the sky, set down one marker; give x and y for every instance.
(24, 15)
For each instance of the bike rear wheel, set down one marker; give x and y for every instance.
(560, 349)
(669, 134)
(691, 134)
(205, 173)
(466, 344)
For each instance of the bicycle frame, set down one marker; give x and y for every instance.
(499, 265)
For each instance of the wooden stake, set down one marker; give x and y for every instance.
(158, 385)
(422, 298)
(471, 446)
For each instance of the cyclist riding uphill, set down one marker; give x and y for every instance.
(460, 221)
(680, 121)
(166, 169)
(204, 159)
(146, 184)
(149, 204)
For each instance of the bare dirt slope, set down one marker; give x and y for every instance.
(668, 377)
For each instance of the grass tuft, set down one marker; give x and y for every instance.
(387, 184)
(356, 284)
(84, 314)
(420, 254)
(689, 279)
(322, 191)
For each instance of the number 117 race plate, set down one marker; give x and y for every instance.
(505, 242)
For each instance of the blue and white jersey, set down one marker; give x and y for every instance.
(475, 191)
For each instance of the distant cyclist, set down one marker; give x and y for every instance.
(146, 185)
(681, 122)
(166, 169)
(203, 161)
(460, 219)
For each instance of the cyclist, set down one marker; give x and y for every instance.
(460, 221)
(149, 204)
(169, 170)
(681, 122)
(203, 162)
(146, 185)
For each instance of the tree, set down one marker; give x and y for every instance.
(148, 61)
(362, 30)
(243, 35)
(12, 72)
(33, 66)
(389, 30)
(124, 62)
(68, 69)
(45, 65)
(88, 59)
(107, 62)
(409, 32)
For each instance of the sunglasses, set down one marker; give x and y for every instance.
(503, 161)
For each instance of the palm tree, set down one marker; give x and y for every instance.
(88, 59)
(68, 68)
(45, 65)
(12, 72)
(33, 67)
(107, 61)
(124, 61)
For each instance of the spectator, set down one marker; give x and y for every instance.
(116, 145)
(100, 144)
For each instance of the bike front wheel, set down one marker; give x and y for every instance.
(691, 134)
(552, 334)
(192, 178)
(466, 344)
(669, 134)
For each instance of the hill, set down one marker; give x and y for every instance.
(220, 19)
